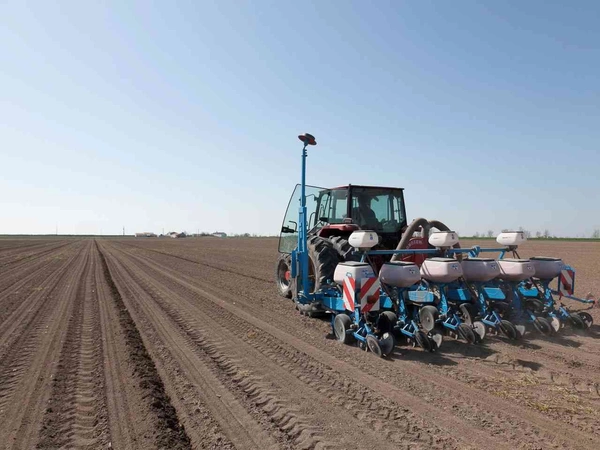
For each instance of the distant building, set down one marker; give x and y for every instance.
(145, 234)
(176, 235)
(219, 234)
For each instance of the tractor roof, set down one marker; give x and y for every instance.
(367, 187)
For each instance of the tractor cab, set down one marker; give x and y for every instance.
(339, 211)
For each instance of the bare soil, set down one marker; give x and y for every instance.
(165, 343)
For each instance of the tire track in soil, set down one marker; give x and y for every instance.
(236, 363)
(211, 266)
(24, 259)
(13, 281)
(24, 295)
(230, 423)
(501, 414)
(410, 419)
(23, 331)
(31, 361)
(168, 431)
(76, 415)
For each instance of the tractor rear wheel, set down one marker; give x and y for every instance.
(322, 261)
(343, 248)
(283, 275)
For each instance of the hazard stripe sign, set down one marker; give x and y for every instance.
(349, 293)
(566, 282)
(369, 294)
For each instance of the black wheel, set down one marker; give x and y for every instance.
(341, 325)
(466, 333)
(428, 315)
(373, 345)
(423, 341)
(509, 330)
(542, 325)
(283, 275)
(468, 312)
(588, 320)
(576, 321)
(387, 321)
(534, 305)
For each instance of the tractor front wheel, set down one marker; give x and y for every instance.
(283, 275)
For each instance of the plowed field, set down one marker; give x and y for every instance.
(164, 343)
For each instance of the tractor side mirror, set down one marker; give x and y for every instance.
(324, 219)
(286, 229)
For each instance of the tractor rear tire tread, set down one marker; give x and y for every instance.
(343, 248)
(324, 258)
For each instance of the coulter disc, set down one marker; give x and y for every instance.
(588, 320)
(577, 321)
(555, 324)
(479, 329)
(437, 338)
(542, 325)
(373, 345)
(467, 333)
(387, 343)
(423, 341)
(509, 330)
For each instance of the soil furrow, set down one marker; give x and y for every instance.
(169, 433)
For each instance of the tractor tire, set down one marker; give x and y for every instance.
(283, 280)
(322, 261)
(343, 248)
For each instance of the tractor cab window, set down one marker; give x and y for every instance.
(333, 206)
(379, 209)
(288, 239)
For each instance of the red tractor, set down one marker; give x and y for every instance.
(332, 215)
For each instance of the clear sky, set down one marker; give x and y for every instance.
(184, 115)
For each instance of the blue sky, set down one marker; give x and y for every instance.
(184, 115)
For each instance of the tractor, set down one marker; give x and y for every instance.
(334, 215)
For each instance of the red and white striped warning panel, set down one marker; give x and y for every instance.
(369, 294)
(566, 282)
(349, 293)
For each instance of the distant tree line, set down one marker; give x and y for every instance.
(528, 234)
